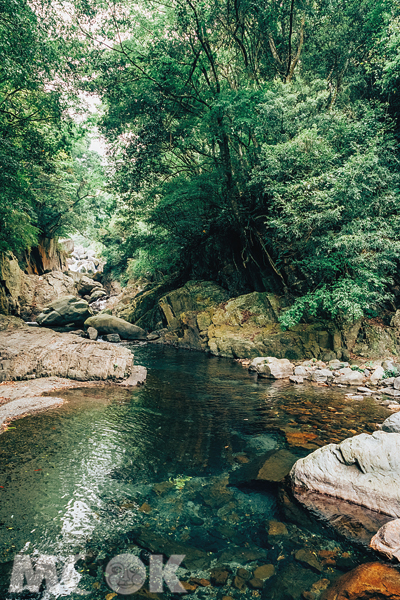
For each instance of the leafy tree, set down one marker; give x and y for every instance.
(252, 143)
(47, 174)
(331, 182)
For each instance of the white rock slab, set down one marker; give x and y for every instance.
(387, 540)
(364, 469)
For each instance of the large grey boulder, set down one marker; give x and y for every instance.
(301, 371)
(349, 377)
(271, 367)
(86, 285)
(27, 352)
(65, 310)
(109, 324)
(364, 470)
(322, 375)
(377, 375)
(392, 423)
(96, 294)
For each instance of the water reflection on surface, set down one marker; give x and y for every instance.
(157, 459)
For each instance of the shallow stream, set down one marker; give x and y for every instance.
(158, 469)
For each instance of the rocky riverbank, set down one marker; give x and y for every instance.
(200, 315)
(47, 360)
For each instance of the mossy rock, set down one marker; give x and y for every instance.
(194, 296)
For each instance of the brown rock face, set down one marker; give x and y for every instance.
(26, 295)
(372, 581)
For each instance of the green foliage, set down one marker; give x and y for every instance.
(390, 373)
(180, 481)
(47, 174)
(242, 151)
(331, 183)
(254, 143)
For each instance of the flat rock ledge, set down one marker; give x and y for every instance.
(28, 353)
(26, 405)
(36, 361)
(364, 470)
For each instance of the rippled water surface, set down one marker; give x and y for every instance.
(115, 466)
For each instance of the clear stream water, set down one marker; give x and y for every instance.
(115, 470)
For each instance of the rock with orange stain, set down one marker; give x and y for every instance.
(328, 557)
(371, 581)
(201, 582)
(189, 587)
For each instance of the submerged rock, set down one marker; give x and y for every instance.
(28, 404)
(219, 576)
(308, 559)
(274, 467)
(106, 324)
(366, 582)
(364, 470)
(275, 528)
(194, 558)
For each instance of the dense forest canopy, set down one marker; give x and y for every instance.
(251, 143)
